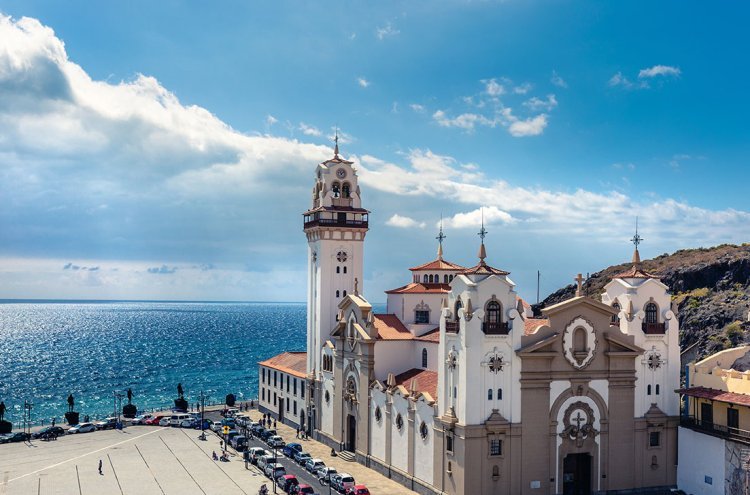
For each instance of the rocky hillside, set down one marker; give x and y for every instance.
(710, 286)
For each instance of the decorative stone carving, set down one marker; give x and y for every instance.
(653, 359)
(578, 423)
(579, 358)
(494, 361)
(452, 359)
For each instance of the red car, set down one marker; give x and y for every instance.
(305, 490)
(155, 420)
(287, 482)
(358, 490)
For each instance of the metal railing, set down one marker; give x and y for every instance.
(452, 326)
(335, 222)
(654, 328)
(496, 328)
(714, 429)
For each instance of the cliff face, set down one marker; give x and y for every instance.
(710, 286)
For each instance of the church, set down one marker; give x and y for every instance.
(459, 389)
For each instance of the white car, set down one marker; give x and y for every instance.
(265, 460)
(255, 453)
(189, 423)
(139, 420)
(274, 470)
(276, 442)
(216, 427)
(312, 465)
(81, 428)
(164, 421)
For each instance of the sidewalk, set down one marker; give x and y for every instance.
(376, 482)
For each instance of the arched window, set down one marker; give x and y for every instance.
(648, 390)
(336, 190)
(430, 279)
(657, 389)
(346, 190)
(450, 279)
(344, 269)
(499, 394)
(338, 294)
(493, 313)
(616, 318)
(424, 279)
(445, 278)
(458, 306)
(489, 394)
(338, 269)
(437, 278)
(344, 293)
(652, 313)
(424, 358)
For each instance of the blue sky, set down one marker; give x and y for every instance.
(169, 147)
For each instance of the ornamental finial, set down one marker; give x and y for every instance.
(636, 240)
(482, 233)
(336, 147)
(440, 238)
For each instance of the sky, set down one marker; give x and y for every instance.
(166, 150)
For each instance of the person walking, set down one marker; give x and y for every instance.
(53, 421)
(297, 436)
(100, 467)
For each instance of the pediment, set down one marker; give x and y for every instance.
(621, 346)
(541, 347)
(573, 302)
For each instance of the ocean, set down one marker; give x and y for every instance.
(93, 349)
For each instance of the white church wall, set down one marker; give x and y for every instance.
(556, 387)
(423, 447)
(378, 428)
(326, 423)
(431, 301)
(393, 356)
(432, 355)
(701, 463)
(399, 437)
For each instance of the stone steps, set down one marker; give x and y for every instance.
(347, 456)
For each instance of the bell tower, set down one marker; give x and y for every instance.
(335, 227)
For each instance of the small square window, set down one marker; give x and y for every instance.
(654, 439)
(449, 443)
(496, 447)
(422, 317)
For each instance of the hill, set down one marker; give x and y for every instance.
(710, 288)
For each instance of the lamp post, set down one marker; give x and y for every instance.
(118, 407)
(27, 418)
(273, 474)
(203, 421)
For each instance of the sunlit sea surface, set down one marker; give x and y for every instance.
(93, 349)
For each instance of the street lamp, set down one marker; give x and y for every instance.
(27, 418)
(118, 407)
(203, 421)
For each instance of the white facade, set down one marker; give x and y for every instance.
(282, 393)
(702, 463)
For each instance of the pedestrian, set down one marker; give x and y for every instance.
(274, 424)
(100, 467)
(297, 436)
(53, 421)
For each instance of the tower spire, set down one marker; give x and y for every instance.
(482, 233)
(636, 240)
(440, 238)
(336, 147)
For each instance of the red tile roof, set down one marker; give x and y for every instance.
(431, 336)
(427, 380)
(420, 288)
(294, 363)
(389, 327)
(720, 395)
(439, 264)
(635, 272)
(531, 325)
(484, 269)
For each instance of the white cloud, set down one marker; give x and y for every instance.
(533, 126)
(623, 166)
(472, 219)
(309, 130)
(659, 70)
(494, 88)
(363, 82)
(417, 107)
(620, 80)
(386, 31)
(466, 121)
(404, 222)
(270, 120)
(535, 103)
(522, 89)
(558, 81)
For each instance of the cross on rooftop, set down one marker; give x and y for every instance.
(482, 232)
(579, 280)
(637, 239)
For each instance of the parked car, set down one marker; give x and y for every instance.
(287, 481)
(228, 422)
(255, 453)
(106, 423)
(141, 420)
(189, 423)
(301, 458)
(265, 460)
(176, 419)
(305, 490)
(274, 470)
(257, 429)
(290, 449)
(324, 474)
(216, 427)
(239, 442)
(17, 436)
(155, 420)
(207, 424)
(357, 490)
(267, 434)
(276, 442)
(164, 421)
(81, 428)
(231, 412)
(312, 465)
(49, 431)
(341, 481)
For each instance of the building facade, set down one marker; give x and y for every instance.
(715, 428)
(458, 389)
